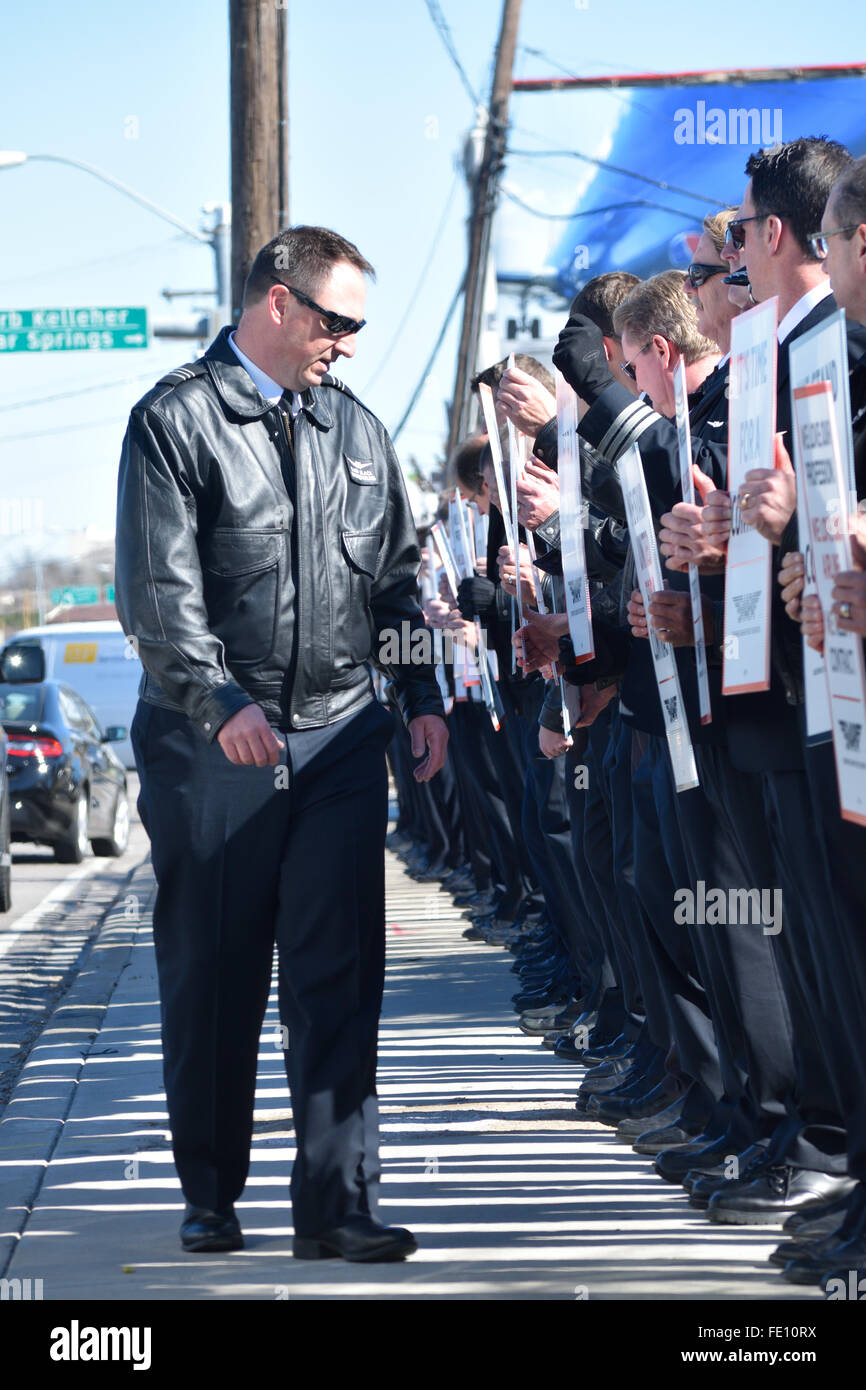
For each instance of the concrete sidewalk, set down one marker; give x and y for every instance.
(510, 1195)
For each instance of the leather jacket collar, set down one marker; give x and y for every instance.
(238, 391)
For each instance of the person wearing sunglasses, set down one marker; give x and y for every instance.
(705, 285)
(266, 549)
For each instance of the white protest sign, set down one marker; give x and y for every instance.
(684, 440)
(751, 444)
(821, 355)
(649, 576)
(571, 514)
(824, 489)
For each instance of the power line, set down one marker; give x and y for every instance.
(416, 290)
(593, 212)
(616, 169)
(63, 429)
(447, 38)
(413, 401)
(77, 391)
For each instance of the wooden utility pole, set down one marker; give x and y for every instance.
(481, 215)
(259, 132)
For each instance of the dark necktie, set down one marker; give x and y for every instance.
(288, 458)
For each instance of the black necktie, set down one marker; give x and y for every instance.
(288, 464)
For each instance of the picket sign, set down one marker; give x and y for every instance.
(648, 570)
(571, 514)
(684, 439)
(751, 444)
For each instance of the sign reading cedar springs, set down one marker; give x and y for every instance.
(88, 329)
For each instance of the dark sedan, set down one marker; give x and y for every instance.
(67, 786)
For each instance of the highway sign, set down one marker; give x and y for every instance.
(72, 330)
(76, 593)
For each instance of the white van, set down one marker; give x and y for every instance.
(98, 662)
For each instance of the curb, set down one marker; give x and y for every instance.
(36, 1112)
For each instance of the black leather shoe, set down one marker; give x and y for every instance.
(649, 1103)
(655, 1141)
(360, 1241)
(777, 1191)
(631, 1129)
(700, 1152)
(829, 1255)
(818, 1220)
(618, 1048)
(205, 1230)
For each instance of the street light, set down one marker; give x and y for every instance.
(218, 237)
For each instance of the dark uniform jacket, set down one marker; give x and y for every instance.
(253, 568)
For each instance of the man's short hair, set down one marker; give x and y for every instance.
(302, 257)
(601, 296)
(491, 376)
(715, 225)
(465, 462)
(793, 181)
(661, 305)
(849, 197)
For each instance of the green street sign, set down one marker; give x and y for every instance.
(72, 330)
(76, 594)
(108, 593)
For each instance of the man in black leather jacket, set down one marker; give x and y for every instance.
(266, 553)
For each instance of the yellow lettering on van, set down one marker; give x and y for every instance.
(80, 651)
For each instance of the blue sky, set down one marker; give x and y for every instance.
(378, 114)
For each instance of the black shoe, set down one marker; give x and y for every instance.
(702, 1152)
(566, 1051)
(655, 1141)
(631, 1129)
(774, 1193)
(205, 1230)
(818, 1220)
(640, 1106)
(828, 1255)
(618, 1048)
(361, 1241)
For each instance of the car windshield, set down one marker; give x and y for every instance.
(21, 704)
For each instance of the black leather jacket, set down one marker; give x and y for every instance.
(211, 545)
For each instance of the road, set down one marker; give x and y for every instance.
(57, 911)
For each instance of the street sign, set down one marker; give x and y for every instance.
(76, 594)
(72, 330)
(108, 593)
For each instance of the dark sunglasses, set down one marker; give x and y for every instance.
(698, 273)
(628, 367)
(337, 324)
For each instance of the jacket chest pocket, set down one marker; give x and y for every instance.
(241, 577)
(360, 557)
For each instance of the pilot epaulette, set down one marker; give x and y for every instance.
(184, 373)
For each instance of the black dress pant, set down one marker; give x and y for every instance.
(246, 858)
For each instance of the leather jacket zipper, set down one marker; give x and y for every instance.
(294, 556)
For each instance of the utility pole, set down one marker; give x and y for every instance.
(259, 131)
(481, 215)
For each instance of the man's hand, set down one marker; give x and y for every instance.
(812, 622)
(792, 578)
(697, 535)
(537, 494)
(580, 356)
(592, 702)
(850, 588)
(552, 744)
(636, 614)
(430, 732)
(539, 639)
(527, 403)
(769, 495)
(247, 738)
(436, 612)
(508, 570)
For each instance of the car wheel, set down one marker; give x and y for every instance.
(115, 844)
(5, 859)
(72, 849)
